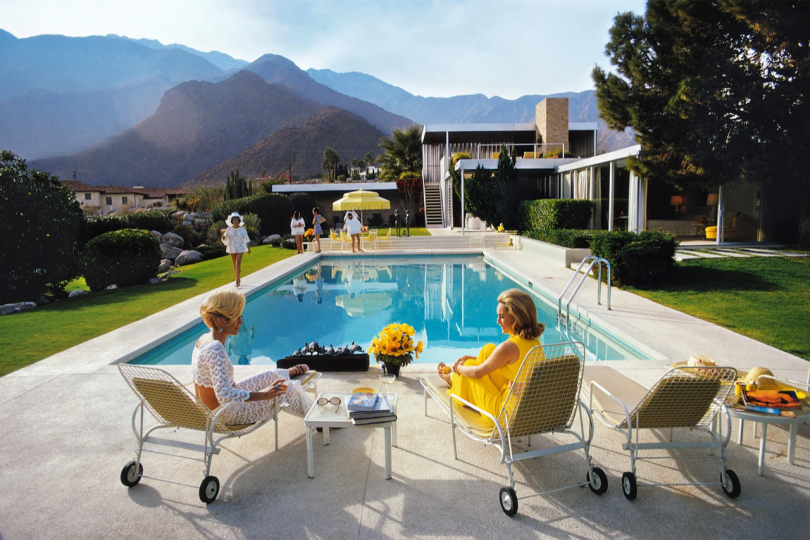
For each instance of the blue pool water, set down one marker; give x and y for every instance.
(449, 301)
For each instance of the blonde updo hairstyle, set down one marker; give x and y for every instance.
(221, 308)
(521, 306)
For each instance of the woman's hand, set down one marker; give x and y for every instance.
(279, 388)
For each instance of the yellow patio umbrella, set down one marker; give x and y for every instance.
(364, 304)
(361, 200)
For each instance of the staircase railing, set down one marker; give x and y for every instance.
(594, 260)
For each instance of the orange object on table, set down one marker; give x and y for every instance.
(781, 399)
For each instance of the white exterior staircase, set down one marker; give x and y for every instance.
(433, 205)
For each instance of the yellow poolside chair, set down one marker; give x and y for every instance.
(684, 397)
(543, 399)
(345, 239)
(371, 239)
(385, 240)
(175, 406)
(336, 241)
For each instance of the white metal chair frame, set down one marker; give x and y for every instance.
(209, 489)
(708, 424)
(501, 437)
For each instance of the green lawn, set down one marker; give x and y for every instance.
(767, 299)
(33, 335)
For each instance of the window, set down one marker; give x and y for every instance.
(87, 196)
(108, 201)
(123, 200)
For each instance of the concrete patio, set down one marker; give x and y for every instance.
(65, 435)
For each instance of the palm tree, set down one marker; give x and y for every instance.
(403, 153)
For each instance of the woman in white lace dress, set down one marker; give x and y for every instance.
(213, 371)
(236, 240)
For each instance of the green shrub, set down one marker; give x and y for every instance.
(40, 227)
(213, 236)
(375, 220)
(125, 257)
(304, 203)
(153, 220)
(191, 237)
(545, 214)
(570, 238)
(635, 259)
(341, 178)
(212, 252)
(273, 209)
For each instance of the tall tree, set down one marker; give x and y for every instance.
(330, 162)
(492, 195)
(369, 159)
(716, 91)
(402, 153)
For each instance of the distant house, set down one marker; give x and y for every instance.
(114, 197)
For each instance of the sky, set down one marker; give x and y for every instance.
(438, 48)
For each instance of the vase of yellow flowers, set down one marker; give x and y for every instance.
(309, 234)
(394, 346)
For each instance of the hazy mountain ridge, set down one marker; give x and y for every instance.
(347, 133)
(475, 108)
(221, 60)
(197, 126)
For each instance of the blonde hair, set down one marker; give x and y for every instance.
(221, 308)
(521, 306)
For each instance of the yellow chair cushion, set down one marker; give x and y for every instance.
(473, 420)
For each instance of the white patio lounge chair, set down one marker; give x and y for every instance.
(684, 397)
(175, 406)
(543, 399)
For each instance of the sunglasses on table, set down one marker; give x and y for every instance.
(322, 402)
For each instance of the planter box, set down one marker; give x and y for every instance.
(326, 363)
(560, 255)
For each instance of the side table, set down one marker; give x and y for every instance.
(327, 417)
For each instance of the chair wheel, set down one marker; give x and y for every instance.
(129, 476)
(599, 482)
(509, 501)
(731, 484)
(629, 486)
(209, 489)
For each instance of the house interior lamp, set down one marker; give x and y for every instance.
(677, 202)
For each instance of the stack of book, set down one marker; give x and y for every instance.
(369, 409)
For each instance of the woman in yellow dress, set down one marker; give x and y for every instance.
(485, 380)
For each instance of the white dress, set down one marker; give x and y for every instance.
(236, 240)
(297, 226)
(212, 368)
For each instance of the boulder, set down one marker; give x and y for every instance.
(199, 222)
(112, 287)
(172, 239)
(179, 214)
(165, 266)
(268, 239)
(252, 244)
(157, 235)
(154, 280)
(42, 300)
(188, 257)
(78, 292)
(193, 215)
(8, 309)
(170, 252)
(290, 243)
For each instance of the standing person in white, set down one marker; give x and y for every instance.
(236, 239)
(354, 228)
(297, 225)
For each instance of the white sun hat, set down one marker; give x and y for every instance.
(234, 215)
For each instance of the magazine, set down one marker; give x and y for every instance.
(375, 420)
(361, 401)
(381, 408)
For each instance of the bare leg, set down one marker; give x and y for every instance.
(235, 268)
(238, 267)
(299, 243)
(318, 242)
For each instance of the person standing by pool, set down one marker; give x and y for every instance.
(297, 225)
(316, 224)
(354, 228)
(485, 381)
(212, 370)
(236, 240)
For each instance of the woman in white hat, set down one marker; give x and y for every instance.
(236, 239)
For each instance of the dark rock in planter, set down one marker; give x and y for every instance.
(173, 240)
(170, 252)
(327, 363)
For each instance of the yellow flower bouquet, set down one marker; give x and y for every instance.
(309, 234)
(394, 345)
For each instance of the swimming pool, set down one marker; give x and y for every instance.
(450, 301)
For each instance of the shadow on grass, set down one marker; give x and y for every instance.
(124, 294)
(699, 278)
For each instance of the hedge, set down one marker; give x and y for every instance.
(212, 252)
(125, 257)
(635, 259)
(304, 203)
(151, 220)
(545, 214)
(570, 238)
(273, 209)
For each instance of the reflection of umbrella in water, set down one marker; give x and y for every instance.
(361, 200)
(363, 305)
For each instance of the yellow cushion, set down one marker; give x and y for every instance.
(496, 155)
(477, 424)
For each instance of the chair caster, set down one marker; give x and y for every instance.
(130, 477)
(599, 482)
(629, 486)
(731, 484)
(209, 489)
(509, 501)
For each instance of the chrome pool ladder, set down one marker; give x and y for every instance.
(594, 260)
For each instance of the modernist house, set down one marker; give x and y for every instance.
(115, 197)
(580, 171)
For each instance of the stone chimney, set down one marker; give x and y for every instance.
(551, 122)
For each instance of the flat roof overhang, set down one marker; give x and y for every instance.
(601, 159)
(550, 164)
(347, 187)
(521, 132)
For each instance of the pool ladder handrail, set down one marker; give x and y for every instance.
(594, 261)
